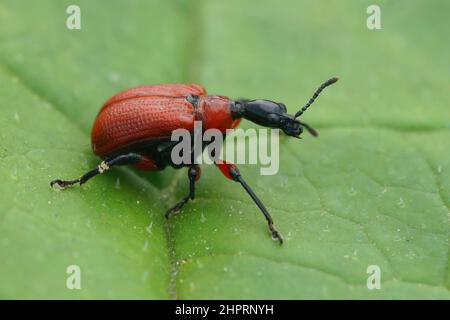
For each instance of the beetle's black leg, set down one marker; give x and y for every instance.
(310, 129)
(231, 171)
(193, 175)
(275, 234)
(124, 159)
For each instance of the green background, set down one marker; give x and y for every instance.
(373, 189)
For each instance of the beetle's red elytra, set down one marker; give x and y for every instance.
(134, 127)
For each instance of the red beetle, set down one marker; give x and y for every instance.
(134, 127)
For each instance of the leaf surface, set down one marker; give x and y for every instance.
(373, 189)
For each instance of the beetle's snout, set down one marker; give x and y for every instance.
(271, 114)
(292, 127)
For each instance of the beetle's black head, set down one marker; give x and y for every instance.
(274, 115)
(269, 114)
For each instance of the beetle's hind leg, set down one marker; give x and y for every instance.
(124, 159)
(193, 175)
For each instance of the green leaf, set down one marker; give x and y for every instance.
(373, 189)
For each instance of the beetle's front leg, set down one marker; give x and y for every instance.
(193, 175)
(232, 172)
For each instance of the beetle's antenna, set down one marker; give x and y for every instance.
(316, 94)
